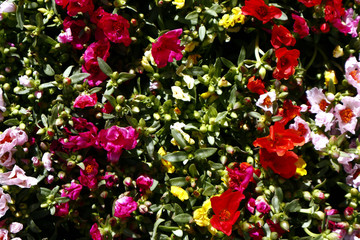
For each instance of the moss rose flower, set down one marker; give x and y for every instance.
(124, 206)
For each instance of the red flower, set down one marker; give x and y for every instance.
(280, 140)
(310, 3)
(258, 9)
(283, 165)
(256, 86)
(167, 47)
(76, 6)
(275, 227)
(281, 35)
(286, 63)
(115, 28)
(333, 10)
(225, 208)
(300, 26)
(79, 31)
(288, 111)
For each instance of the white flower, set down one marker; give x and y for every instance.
(178, 93)
(25, 81)
(190, 82)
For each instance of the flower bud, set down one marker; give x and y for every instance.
(285, 225)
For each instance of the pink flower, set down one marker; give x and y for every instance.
(65, 37)
(25, 81)
(4, 234)
(95, 232)
(76, 6)
(2, 105)
(115, 139)
(352, 72)
(7, 7)
(110, 179)
(4, 200)
(85, 100)
(115, 28)
(317, 100)
(266, 100)
(300, 26)
(303, 127)
(167, 47)
(251, 205)
(62, 209)
(324, 119)
(73, 191)
(97, 15)
(144, 183)
(319, 140)
(79, 31)
(15, 227)
(262, 206)
(17, 177)
(88, 174)
(240, 175)
(124, 206)
(347, 114)
(47, 162)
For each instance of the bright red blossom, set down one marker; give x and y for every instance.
(76, 6)
(225, 208)
(280, 140)
(288, 111)
(286, 63)
(115, 28)
(333, 10)
(261, 11)
(256, 86)
(281, 35)
(310, 3)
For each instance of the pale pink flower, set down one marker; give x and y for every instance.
(347, 113)
(2, 104)
(124, 206)
(85, 100)
(7, 6)
(47, 162)
(266, 101)
(17, 177)
(352, 72)
(319, 140)
(25, 81)
(49, 179)
(346, 158)
(65, 37)
(303, 127)
(317, 100)
(4, 234)
(35, 161)
(15, 227)
(324, 119)
(4, 200)
(353, 179)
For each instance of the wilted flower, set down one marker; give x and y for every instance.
(178, 93)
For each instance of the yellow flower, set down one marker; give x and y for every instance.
(330, 75)
(300, 167)
(201, 214)
(179, 193)
(338, 52)
(236, 16)
(225, 21)
(170, 168)
(179, 3)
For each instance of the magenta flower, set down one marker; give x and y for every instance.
(352, 72)
(85, 100)
(4, 200)
(167, 47)
(262, 206)
(76, 6)
(17, 177)
(240, 175)
(115, 139)
(4, 234)
(115, 28)
(95, 232)
(65, 37)
(144, 183)
(300, 26)
(79, 31)
(88, 174)
(347, 25)
(251, 205)
(73, 191)
(347, 113)
(110, 179)
(124, 206)
(62, 209)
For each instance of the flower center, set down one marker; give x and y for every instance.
(346, 115)
(117, 26)
(262, 11)
(224, 215)
(302, 129)
(4, 157)
(355, 75)
(267, 102)
(323, 105)
(89, 169)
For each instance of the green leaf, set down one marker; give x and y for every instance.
(68, 71)
(12, 122)
(242, 55)
(255, 115)
(211, 12)
(124, 76)
(335, 217)
(344, 186)
(48, 70)
(78, 77)
(221, 116)
(111, 99)
(279, 194)
(209, 190)
(227, 63)
(22, 92)
(183, 218)
(293, 206)
(193, 171)
(20, 15)
(156, 225)
(176, 157)
(192, 16)
(276, 204)
(232, 99)
(178, 137)
(331, 87)
(202, 32)
(276, 118)
(44, 120)
(178, 181)
(105, 68)
(108, 116)
(95, 90)
(150, 146)
(46, 85)
(204, 153)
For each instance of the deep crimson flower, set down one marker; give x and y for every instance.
(283, 165)
(288, 111)
(88, 174)
(97, 14)
(261, 11)
(76, 6)
(115, 28)
(275, 227)
(333, 10)
(79, 31)
(280, 140)
(108, 108)
(256, 86)
(286, 63)
(240, 175)
(225, 208)
(300, 26)
(85, 100)
(310, 3)
(62, 209)
(281, 35)
(167, 47)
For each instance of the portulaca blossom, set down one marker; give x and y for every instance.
(10, 138)
(15, 227)
(25, 81)
(6, 7)
(178, 93)
(266, 101)
(317, 100)
(47, 162)
(348, 24)
(346, 114)
(319, 140)
(17, 177)
(190, 81)
(353, 179)
(352, 72)
(65, 37)
(324, 119)
(4, 200)
(302, 126)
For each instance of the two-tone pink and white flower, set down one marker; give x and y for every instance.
(266, 101)
(346, 114)
(317, 100)
(303, 127)
(352, 72)
(17, 177)
(4, 200)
